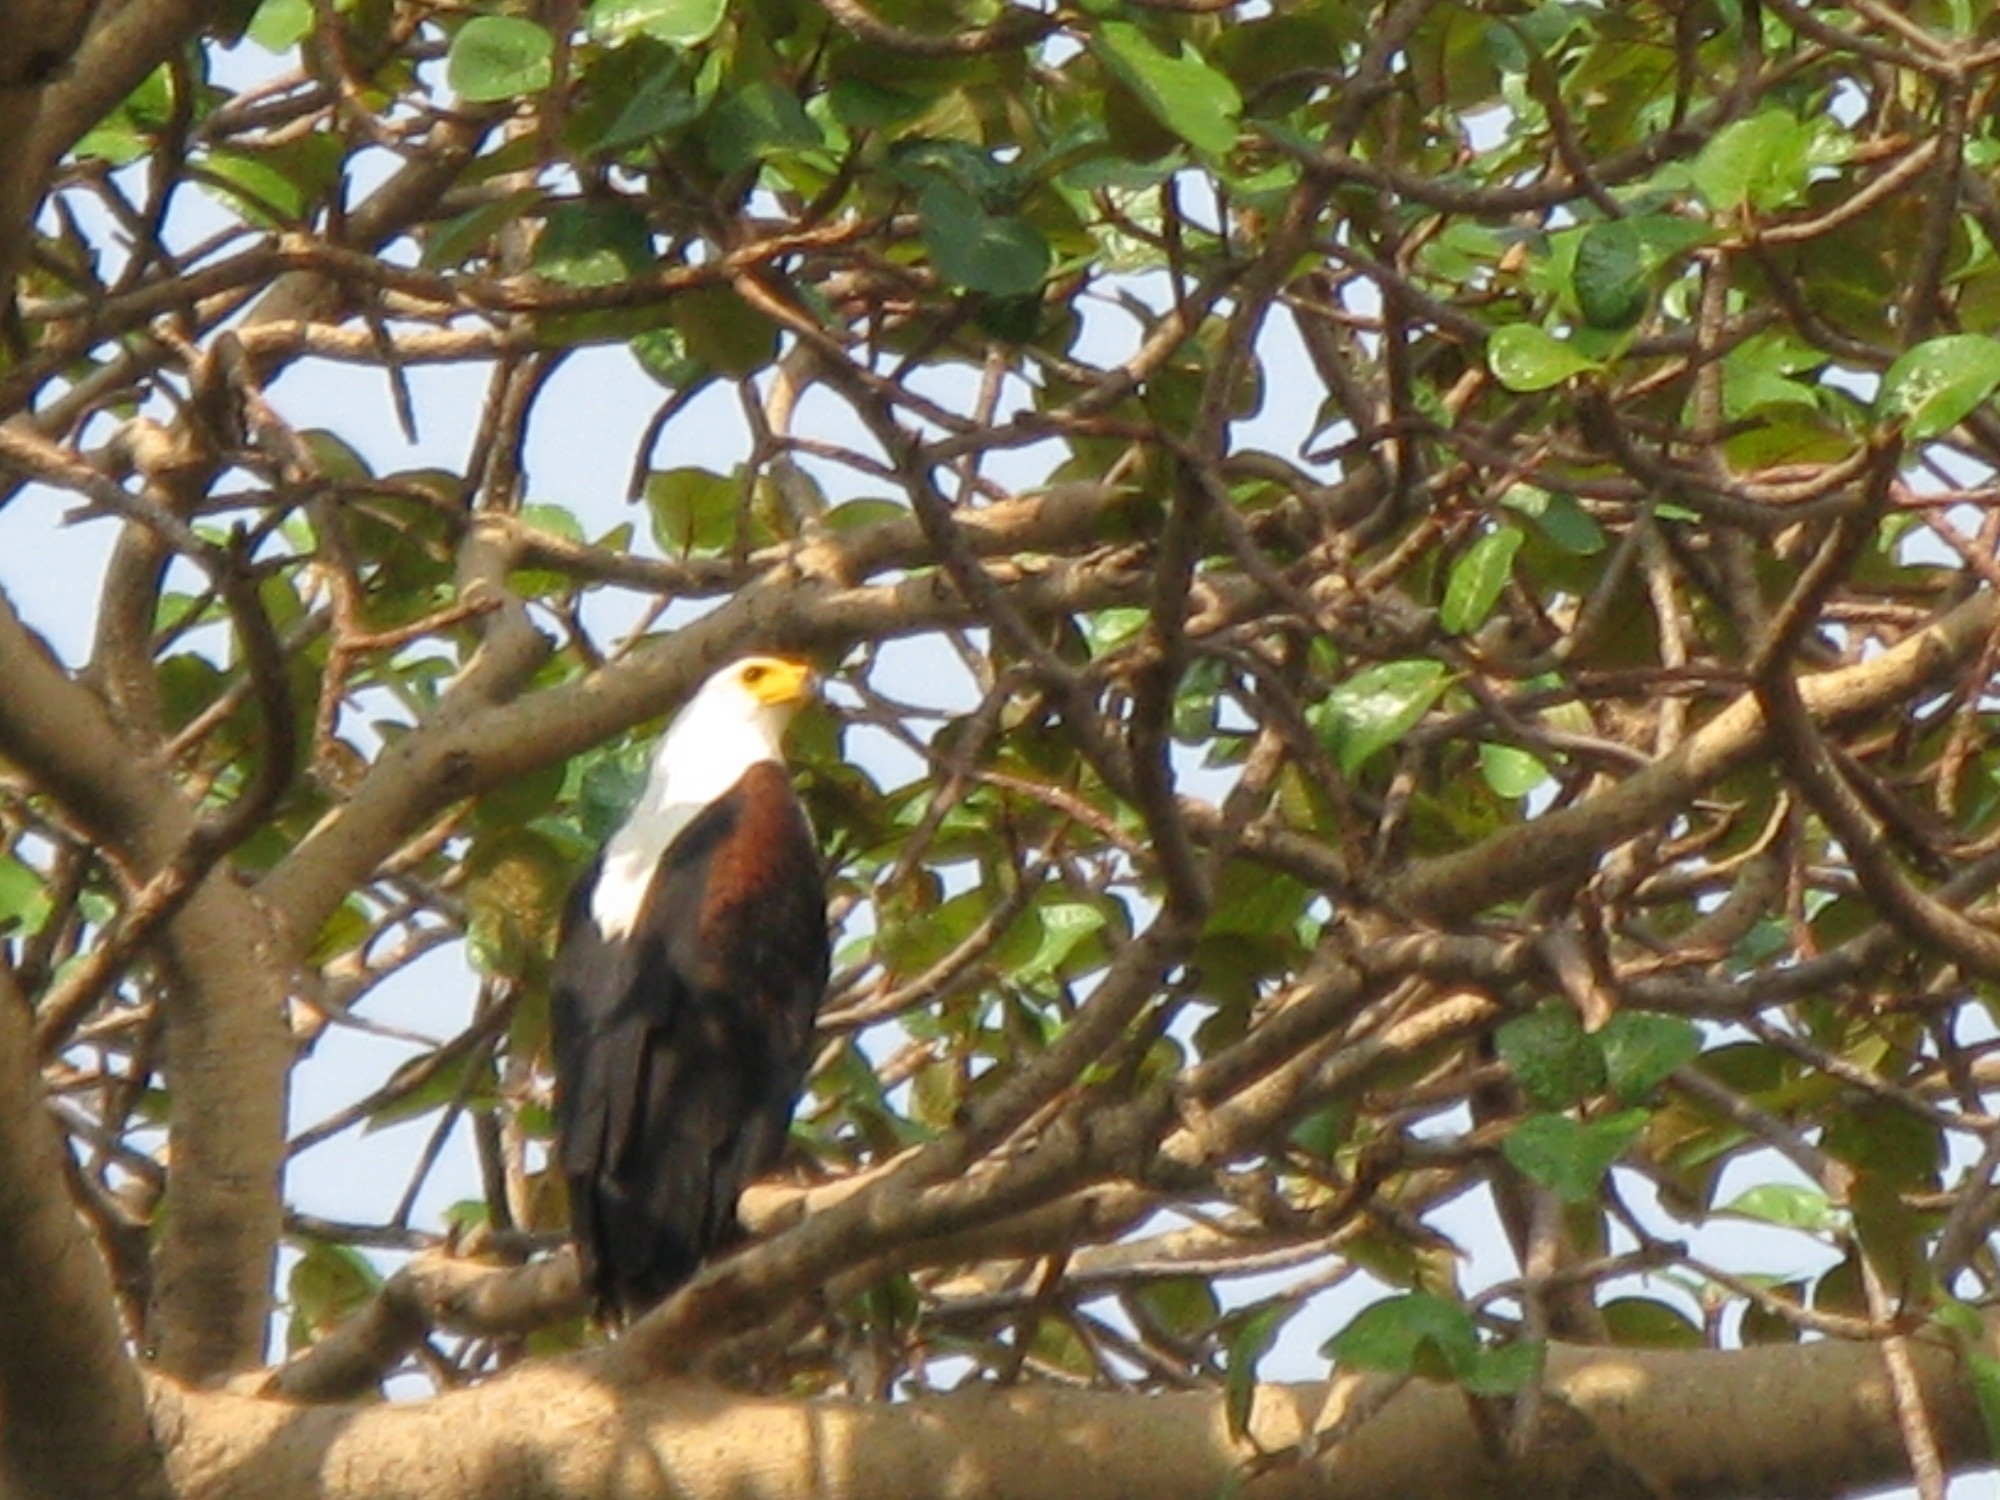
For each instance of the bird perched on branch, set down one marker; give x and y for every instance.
(692, 959)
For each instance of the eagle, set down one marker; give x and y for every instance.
(691, 962)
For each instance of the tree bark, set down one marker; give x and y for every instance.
(1801, 1420)
(229, 1053)
(72, 1410)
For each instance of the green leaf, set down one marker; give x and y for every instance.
(1411, 1334)
(1525, 358)
(1064, 925)
(1184, 1306)
(1969, 1338)
(861, 105)
(1250, 1338)
(499, 57)
(999, 254)
(1617, 261)
(24, 898)
(683, 23)
(1641, 1049)
(1935, 386)
(644, 91)
(329, 1283)
(758, 121)
(1885, 1141)
(1478, 579)
(1558, 517)
(1510, 770)
(1506, 1369)
(280, 25)
(1609, 275)
(663, 354)
(1757, 375)
(1570, 1157)
(349, 926)
(128, 132)
(1761, 162)
(1553, 1059)
(593, 244)
(859, 514)
(724, 333)
(1376, 707)
(277, 185)
(455, 241)
(1646, 1323)
(1787, 1204)
(694, 510)
(1192, 99)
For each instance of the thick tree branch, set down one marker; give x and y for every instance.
(228, 1048)
(74, 1411)
(1617, 1422)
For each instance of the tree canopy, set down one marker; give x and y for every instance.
(1409, 595)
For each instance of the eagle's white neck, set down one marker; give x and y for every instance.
(704, 753)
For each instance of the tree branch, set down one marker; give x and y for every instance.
(75, 1416)
(1559, 844)
(1670, 1422)
(228, 1047)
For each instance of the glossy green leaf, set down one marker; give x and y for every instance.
(1525, 358)
(1642, 1049)
(1478, 579)
(499, 57)
(643, 92)
(1570, 1157)
(1758, 375)
(1932, 388)
(683, 23)
(1377, 706)
(472, 234)
(128, 132)
(1196, 102)
(1761, 162)
(1510, 770)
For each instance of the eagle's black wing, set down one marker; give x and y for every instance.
(681, 1047)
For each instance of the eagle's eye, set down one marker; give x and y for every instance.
(755, 673)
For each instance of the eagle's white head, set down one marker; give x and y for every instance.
(742, 708)
(735, 719)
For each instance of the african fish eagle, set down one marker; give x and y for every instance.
(692, 959)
